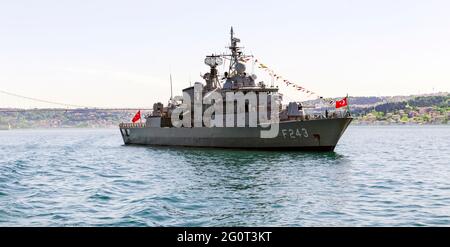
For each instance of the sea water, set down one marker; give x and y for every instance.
(377, 176)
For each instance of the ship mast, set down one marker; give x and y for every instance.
(236, 56)
(235, 53)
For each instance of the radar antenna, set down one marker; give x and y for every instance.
(212, 81)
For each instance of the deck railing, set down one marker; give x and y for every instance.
(131, 125)
(306, 117)
(329, 115)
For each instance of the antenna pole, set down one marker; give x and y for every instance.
(231, 33)
(171, 86)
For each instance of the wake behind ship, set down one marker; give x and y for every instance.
(289, 126)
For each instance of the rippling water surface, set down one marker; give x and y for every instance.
(377, 176)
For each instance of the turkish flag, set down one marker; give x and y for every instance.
(136, 117)
(341, 103)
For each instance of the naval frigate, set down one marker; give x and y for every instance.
(295, 129)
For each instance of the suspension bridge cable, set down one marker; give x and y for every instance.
(42, 100)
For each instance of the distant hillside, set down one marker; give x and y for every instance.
(60, 118)
(367, 101)
(412, 109)
(421, 109)
(385, 105)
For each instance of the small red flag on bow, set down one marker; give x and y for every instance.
(341, 103)
(136, 117)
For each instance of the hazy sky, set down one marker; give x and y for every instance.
(119, 53)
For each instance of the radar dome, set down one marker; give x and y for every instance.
(240, 68)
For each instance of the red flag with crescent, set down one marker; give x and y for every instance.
(341, 103)
(136, 117)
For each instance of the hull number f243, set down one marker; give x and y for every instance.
(294, 133)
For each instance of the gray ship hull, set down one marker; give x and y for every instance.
(320, 135)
